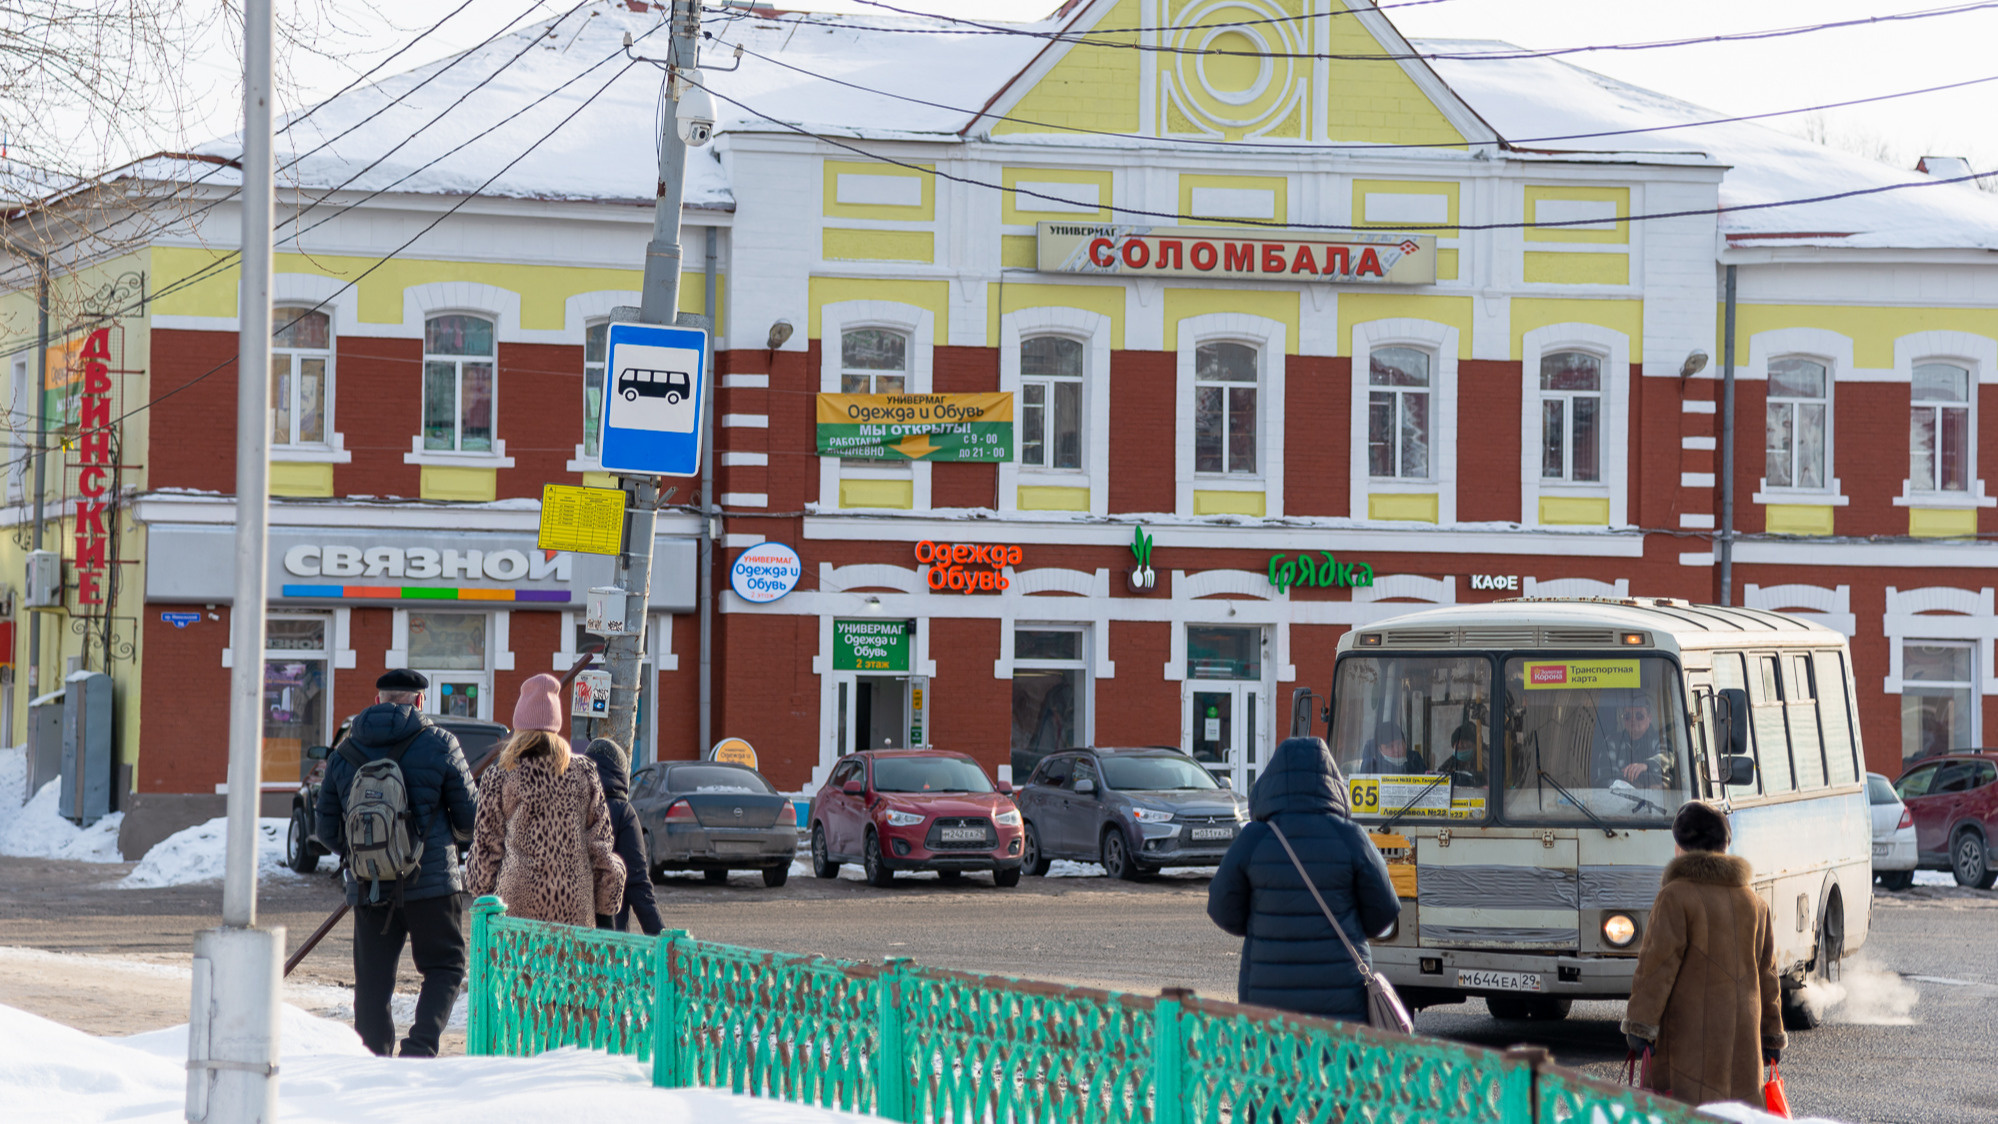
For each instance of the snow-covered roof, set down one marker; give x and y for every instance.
(828, 65)
(1533, 98)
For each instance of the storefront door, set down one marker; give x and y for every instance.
(459, 694)
(879, 712)
(1226, 728)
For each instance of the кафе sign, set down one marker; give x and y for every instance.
(1265, 253)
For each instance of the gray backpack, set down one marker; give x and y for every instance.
(384, 840)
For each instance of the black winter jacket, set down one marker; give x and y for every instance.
(1291, 959)
(626, 839)
(441, 793)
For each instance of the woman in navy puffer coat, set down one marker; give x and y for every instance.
(1291, 959)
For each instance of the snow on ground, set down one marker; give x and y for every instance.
(1934, 878)
(197, 854)
(33, 830)
(1742, 1114)
(52, 1073)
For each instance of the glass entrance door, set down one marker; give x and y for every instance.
(1225, 729)
(458, 694)
(876, 712)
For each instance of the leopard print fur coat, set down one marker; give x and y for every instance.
(542, 842)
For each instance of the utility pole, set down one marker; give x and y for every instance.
(1727, 447)
(41, 469)
(659, 303)
(232, 1042)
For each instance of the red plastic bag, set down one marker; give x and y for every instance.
(1773, 1098)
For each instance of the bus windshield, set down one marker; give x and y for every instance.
(1594, 735)
(1412, 734)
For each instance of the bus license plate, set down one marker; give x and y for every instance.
(1499, 981)
(1213, 833)
(964, 835)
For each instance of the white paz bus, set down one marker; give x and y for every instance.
(1519, 764)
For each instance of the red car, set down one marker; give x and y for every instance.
(914, 809)
(1954, 799)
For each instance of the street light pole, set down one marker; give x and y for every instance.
(232, 1041)
(659, 303)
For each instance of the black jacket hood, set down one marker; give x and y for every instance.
(383, 726)
(1302, 777)
(613, 768)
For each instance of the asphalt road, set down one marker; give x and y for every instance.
(1931, 945)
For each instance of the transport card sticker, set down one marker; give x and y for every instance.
(1587, 675)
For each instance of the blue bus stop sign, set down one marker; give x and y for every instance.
(655, 391)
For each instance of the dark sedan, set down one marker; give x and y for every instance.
(1133, 810)
(714, 818)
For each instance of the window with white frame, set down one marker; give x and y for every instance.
(1051, 402)
(1225, 427)
(1398, 413)
(301, 376)
(595, 350)
(1050, 688)
(1797, 415)
(459, 363)
(873, 361)
(297, 667)
(1939, 428)
(1938, 697)
(1571, 417)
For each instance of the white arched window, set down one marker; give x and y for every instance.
(1575, 415)
(460, 359)
(301, 377)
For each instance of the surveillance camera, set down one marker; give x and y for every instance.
(695, 115)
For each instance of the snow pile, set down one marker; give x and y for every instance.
(1742, 1114)
(34, 830)
(197, 854)
(1934, 878)
(52, 1073)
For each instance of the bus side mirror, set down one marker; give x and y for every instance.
(1740, 771)
(1733, 708)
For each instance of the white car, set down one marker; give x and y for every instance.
(1893, 835)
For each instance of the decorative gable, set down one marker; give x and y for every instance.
(1312, 71)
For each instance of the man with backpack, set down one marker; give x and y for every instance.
(396, 798)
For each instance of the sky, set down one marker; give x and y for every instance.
(1769, 74)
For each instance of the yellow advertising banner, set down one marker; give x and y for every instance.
(908, 427)
(1585, 675)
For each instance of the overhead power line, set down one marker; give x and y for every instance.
(1251, 224)
(181, 191)
(363, 275)
(1305, 146)
(1089, 38)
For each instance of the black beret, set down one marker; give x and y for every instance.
(402, 679)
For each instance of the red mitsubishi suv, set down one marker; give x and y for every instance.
(914, 809)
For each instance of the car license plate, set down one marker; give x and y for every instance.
(1213, 833)
(1880, 850)
(964, 835)
(736, 847)
(1499, 981)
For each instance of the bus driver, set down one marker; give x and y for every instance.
(1631, 751)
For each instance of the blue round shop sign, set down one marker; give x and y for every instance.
(765, 572)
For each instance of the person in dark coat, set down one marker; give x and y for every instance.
(626, 840)
(1291, 959)
(1389, 752)
(427, 911)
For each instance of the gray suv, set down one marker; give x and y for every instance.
(1133, 810)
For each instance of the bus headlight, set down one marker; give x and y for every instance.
(1619, 930)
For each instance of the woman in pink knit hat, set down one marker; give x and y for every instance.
(542, 839)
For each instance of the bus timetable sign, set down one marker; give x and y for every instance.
(655, 391)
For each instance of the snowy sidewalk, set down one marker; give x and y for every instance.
(51, 1073)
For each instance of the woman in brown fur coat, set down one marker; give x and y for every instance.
(542, 838)
(1705, 998)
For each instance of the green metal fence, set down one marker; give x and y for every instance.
(913, 1043)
